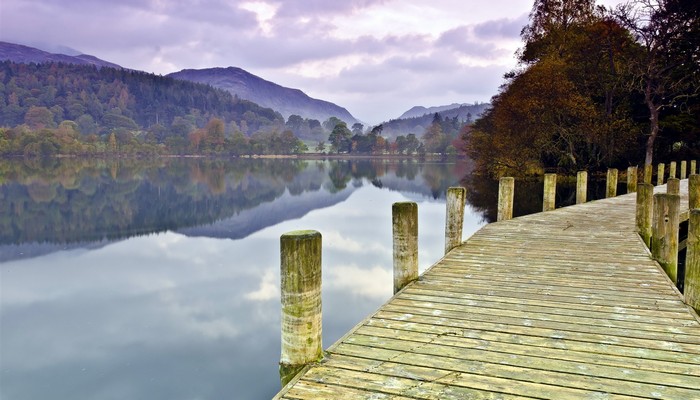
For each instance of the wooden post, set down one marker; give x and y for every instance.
(647, 173)
(300, 261)
(404, 217)
(631, 179)
(645, 211)
(693, 167)
(550, 192)
(684, 167)
(694, 191)
(454, 217)
(660, 174)
(691, 285)
(673, 186)
(506, 191)
(672, 170)
(581, 187)
(664, 238)
(611, 183)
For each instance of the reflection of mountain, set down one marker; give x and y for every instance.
(284, 208)
(72, 202)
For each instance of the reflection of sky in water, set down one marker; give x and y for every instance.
(168, 316)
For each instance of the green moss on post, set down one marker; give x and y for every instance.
(694, 191)
(673, 186)
(454, 217)
(693, 168)
(550, 192)
(648, 171)
(684, 167)
(672, 170)
(645, 211)
(300, 275)
(631, 179)
(404, 217)
(506, 190)
(660, 174)
(611, 182)
(581, 187)
(665, 232)
(691, 286)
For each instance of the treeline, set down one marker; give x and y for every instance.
(595, 88)
(58, 108)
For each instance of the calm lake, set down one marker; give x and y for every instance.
(160, 279)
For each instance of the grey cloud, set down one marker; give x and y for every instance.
(297, 8)
(501, 29)
(460, 40)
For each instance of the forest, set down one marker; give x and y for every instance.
(63, 109)
(596, 88)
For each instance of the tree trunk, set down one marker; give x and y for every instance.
(653, 124)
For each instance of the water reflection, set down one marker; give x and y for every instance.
(160, 280)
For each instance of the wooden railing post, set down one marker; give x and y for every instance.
(660, 174)
(404, 216)
(581, 187)
(684, 167)
(693, 168)
(664, 247)
(454, 217)
(648, 171)
(691, 285)
(672, 170)
(506, 191)
(631, 179)
(673, 186)
(611, 183)
(550, 192)
(645, 211)
(300, 275)
(694, 191)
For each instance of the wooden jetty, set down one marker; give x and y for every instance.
(563, 304)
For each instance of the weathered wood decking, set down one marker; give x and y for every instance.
(565, 304)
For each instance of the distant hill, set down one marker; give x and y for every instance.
(24, 54)
(247, 86)
(454, 108)
(419, 118)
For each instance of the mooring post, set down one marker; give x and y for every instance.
(645, 211)
(631, 179)
(693, 167)
(664, 238)
(581, 187)
(693, 191)
(611, 183)
(673, 186)
(691, 285)
(404, 216)
(684, 166)
(506, 190)
(672, 170)
(660, 174)
(550, 192)
(647, 173)
(300, 275)
(454, 217)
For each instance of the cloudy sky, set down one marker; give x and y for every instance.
(377, 58)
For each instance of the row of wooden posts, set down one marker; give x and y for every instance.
(657, 222)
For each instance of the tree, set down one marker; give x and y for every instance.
(357, 128)
(39, 117)
(666, 72)
(332, 122)
(340, 138)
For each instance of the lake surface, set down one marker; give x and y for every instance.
(160, 279)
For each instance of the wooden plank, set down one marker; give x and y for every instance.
(563, 304)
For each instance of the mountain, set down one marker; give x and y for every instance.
(24, 54)
(247, 86)
(419, 111)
